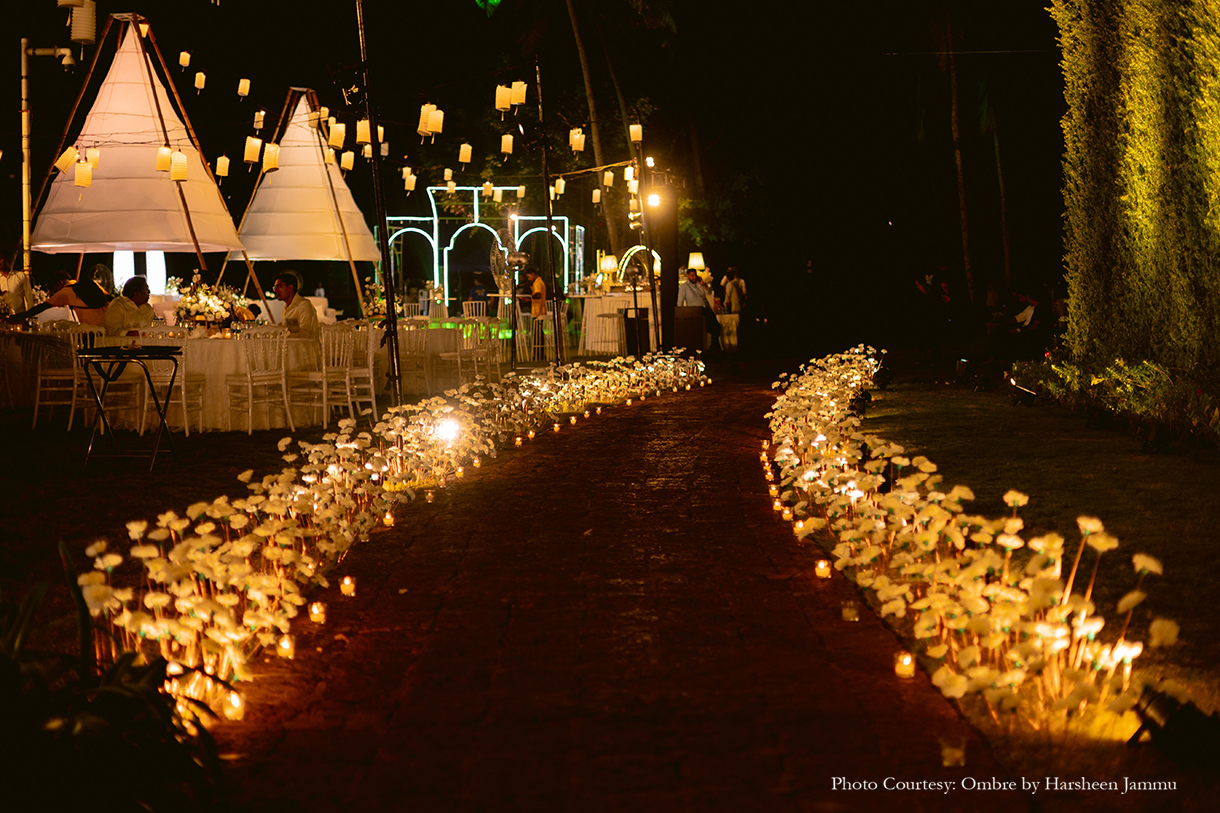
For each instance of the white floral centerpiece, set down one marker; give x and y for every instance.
(374, 300)
(202, 302)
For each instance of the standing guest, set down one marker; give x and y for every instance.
(692, 294)
(130, 311)
(15, 286)
(734, 291)
(84, 297)
(299, 315)
(537, 310)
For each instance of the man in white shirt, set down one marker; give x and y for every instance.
(129, 311)
(691, 293)
(299, 315)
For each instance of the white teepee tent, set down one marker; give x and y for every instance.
(304, 210)
(131, 206)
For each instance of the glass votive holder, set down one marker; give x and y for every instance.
(787, 513)
(777, 505)
(317, 612)
(348, 586)
(628, 402)
(821, 569)
(287, 647)
(769, 476)
(688, 387)
(531, 434)
(572, 420)
(850, 611)
(556, 428)
(477, 462)
(517, 442)
(388, 519)
(904, 664)
(766, 444)
(773, 490)
(430, 496)
(234, 706)
(586, 413)
(461, 472)
(599, 410)
(953, 752)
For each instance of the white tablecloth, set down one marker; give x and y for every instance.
(729, 323)
(601, 332)
(439, 340)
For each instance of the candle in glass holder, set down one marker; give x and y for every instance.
(317, 612)
(348, 586)
(477, 462)
(688, 387)
(777, 505)
(599, 410)
(769, 476)
(798, 527)
(821, 568)
(904, 664)
(531, 434)
(287, 647)
(773, 490)
(787, 513)
(766, 444)
(517, 442)
(850, 611)
(430, 496)
(572, 420)
(388, 519)
(234, 706)
(586, 413)
(461, 472)
(556, 427)
(628, 402)
(762, 457)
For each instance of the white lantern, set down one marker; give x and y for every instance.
(637, 133)
(367, 152)
(253, 147)
(347, 160)
(504, 99)
(406, 173)
(552, 190)
(608, 178)
(271, 157)
(597, 196)
(338, 134)
(497, 195)
(177, 166)
(201, 79)
(451, 187)
(93, 155)
(436, 121)
(184, 59)
(164, 158)
(84, 174)
(448, 174)
(409, 183)
(243, 87)
(222, 166)
(518, 96)
(425, 118)
(330, 155)
(363, 134)
(520, 191)
(385, 149)
(487, 189)
(323, 113)
(84, 23)
(380, 133)
(560, 185)
(464, 153)
(258, 119)
(66, 159)
(633, 186)
(579, 144)
(506, 144)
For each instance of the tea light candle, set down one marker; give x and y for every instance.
(287, 647)
(766, 444)
(688, 387)
(518, 440)
(461, 472)
(556, 427)
(531, 434)
(821, 568)
(787, 513)
(477, 462)
(762, 457)
(641, 399)
(773, 490)
(904, 664)
(777, 505)
(628, 402)
(599, 410)
(234, 706)
(348, 586)
(769, 476)
(850, 611)
(317, 612)
(798, 527)
(388, 519)
(586, 413)
(430, 496)
(572, 420)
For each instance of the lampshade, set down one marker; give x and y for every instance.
(628, 173)
(560, 185)
(367, 151)
(363, 133)
(695, 263)
(497, 195)
(380, 133)
(409, 183)
(222, 166)
(451, 187)
(436, 121)
(84, 174)
(259, 115)
(448, 174)
(330, 155)
(425, 118)
(177, 166)
(83, 23)
(609, 263)
(633, 186)
(504, 98)
(93, 155)
(597, 196)
(164, 159)
(464, 152)
(521, 191)
(607, 178)
(487, 189)
(407, 173)
(243, 87)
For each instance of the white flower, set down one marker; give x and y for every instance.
(145, 552)
(1089, 525)
(1146, 564)
(1131, 600)
(1015, 499)
(1163, 632)
(136, 528)
(1102, 542)
(284, 443)
(246, 475)
(96, 548)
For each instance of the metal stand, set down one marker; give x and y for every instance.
(109, 363)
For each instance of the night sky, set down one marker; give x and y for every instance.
(823, 132)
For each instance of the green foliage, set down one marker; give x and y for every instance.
(77, 736)
(1142, 183)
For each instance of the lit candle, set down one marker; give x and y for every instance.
(518, 441)
(904, 664)
(348, 586)
(773, 490)
(769, 476)
(762, 456)
(317, 612)
(599, 410)
(430, 496)
(628, 402)
(586, 413)
(556, 427)
(850, 611)
(766, 444)
(388, 519)
(461, 472)
(477, 462)
(798, 527)
(572, 420)
(531, 434)
(787, 513)
(287, 647)
(777, 505)
(688, 387)
(821, 568)
(234, 706)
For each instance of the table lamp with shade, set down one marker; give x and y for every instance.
(695, 263)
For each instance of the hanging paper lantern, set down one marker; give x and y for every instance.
(222, 166)
(362, 132)
(184, 59)
(504, 99)
(385, 149)
(67, 159)
(84, 23)
(497, 195)
(347, 160)
(451, 187)
(560, 185)
(448, 175)
(406, 172)
(338, 134)
(506, 144)
(258, 119)
(628, 173)
(607, 178)
(464, 152)
(521, 191)
(578, 142)
(323, 112)
(425, 118)
(633, 186)
(177, 168)
(253, 147)
(597, 196)
(143, 29)
(69, 3)
(243, 87)
(380, 133)
(330, 123)
(436, 122)
(487, 189)
(518, 96)
(409, 183)
(552, 190)
(330, 155)
(637, 133)
(164, 158)
(271, 157)
(93, 155)
(201, 79)
(367, 152)
(84, 174)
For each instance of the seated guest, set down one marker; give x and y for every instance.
(130, 311)
(84, 297)
(299, 315)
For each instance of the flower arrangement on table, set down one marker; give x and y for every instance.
(374, 299)
(202, 302)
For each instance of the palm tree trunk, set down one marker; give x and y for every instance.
(611, 224)
(999, 173)
(957, 153)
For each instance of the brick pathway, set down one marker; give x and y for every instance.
(610, 619)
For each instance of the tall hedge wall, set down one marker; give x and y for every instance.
(1142, 182)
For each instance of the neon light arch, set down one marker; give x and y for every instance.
(562, 242)
(631, 252)
(453, 238)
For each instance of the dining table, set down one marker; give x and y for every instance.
(602, 330)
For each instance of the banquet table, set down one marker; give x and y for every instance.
(20, 352)
(601, 331)
(439, 339)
